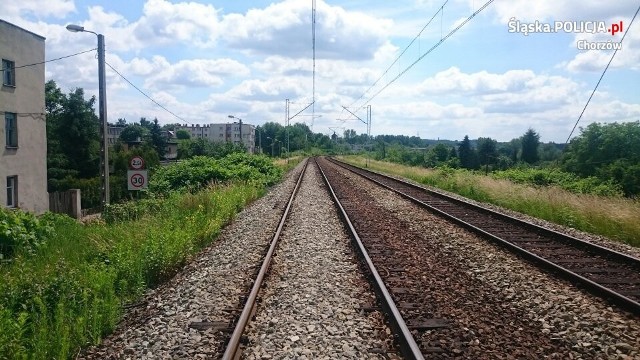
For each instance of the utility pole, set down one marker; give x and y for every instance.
(102, 105)
(102, 109)
(287, 124)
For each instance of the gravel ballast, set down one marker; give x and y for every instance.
(311, 306)
(583, 325)
(203, 291)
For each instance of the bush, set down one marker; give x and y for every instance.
(561, 179)
(22, 231)
(131, 210)
(196, 173)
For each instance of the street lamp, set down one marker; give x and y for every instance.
(240, 121)
(102, 108)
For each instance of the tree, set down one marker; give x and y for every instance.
(73, 140)
(530, 142)
(487, 151)
(146, 123)
(608, 151)
(157, 139)
(550, 152)
(467, 155)
(350, 135)
(183, 134)
(133, 132)
(436, 155)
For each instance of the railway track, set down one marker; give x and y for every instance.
(241, 341)
(316, 302)
(605, 272)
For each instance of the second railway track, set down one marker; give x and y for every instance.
(603, 271)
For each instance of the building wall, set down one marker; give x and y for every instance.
(227, 132)
(29, 160)
(113, 134)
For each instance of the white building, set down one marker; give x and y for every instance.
(229, 132)
(23, 129)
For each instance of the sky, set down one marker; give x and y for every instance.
(206, 60)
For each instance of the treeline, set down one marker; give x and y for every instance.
(609, 153)
(604, 156)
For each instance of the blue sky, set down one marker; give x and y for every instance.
(205, 60)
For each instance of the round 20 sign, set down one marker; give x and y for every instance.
(136, 163)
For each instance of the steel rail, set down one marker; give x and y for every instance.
(598, 289)
(408, 345)
(233, 345)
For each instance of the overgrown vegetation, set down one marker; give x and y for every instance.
(199, 171)
(564, 180)
(64, 283)
(615, 217)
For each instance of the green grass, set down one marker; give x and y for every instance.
(615, 217)
(70, 293)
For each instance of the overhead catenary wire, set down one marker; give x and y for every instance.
(50, 60)
(601, 76)
(147, 96)
(440, 10)
(442, 40)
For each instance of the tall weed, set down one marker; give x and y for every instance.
(609, 215)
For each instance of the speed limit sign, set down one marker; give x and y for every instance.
(137, 179)
(136, 163)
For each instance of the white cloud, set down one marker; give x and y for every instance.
(272, 89)
(37, 8)
(596, 60)
(552, 10)
(284, 28)
(164, 22)
(191, 73)
(454, 81)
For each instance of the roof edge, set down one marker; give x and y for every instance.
(23, 29)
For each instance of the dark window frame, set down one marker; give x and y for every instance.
(11, 130)
(12, 191)
(8, 73)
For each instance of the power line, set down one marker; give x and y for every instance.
(601, 76)
(147, 96)
(429, 51)
(313, 40)
(46, 61)
(440, 10)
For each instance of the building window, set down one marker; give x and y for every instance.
(11, 129)
(8, 73)
(12, 191)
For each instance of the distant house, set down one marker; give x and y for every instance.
(23, 154)
(228, 132)
(171, 150)
(113, 134)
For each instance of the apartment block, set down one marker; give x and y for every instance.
(228, 132)
(23, 152)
